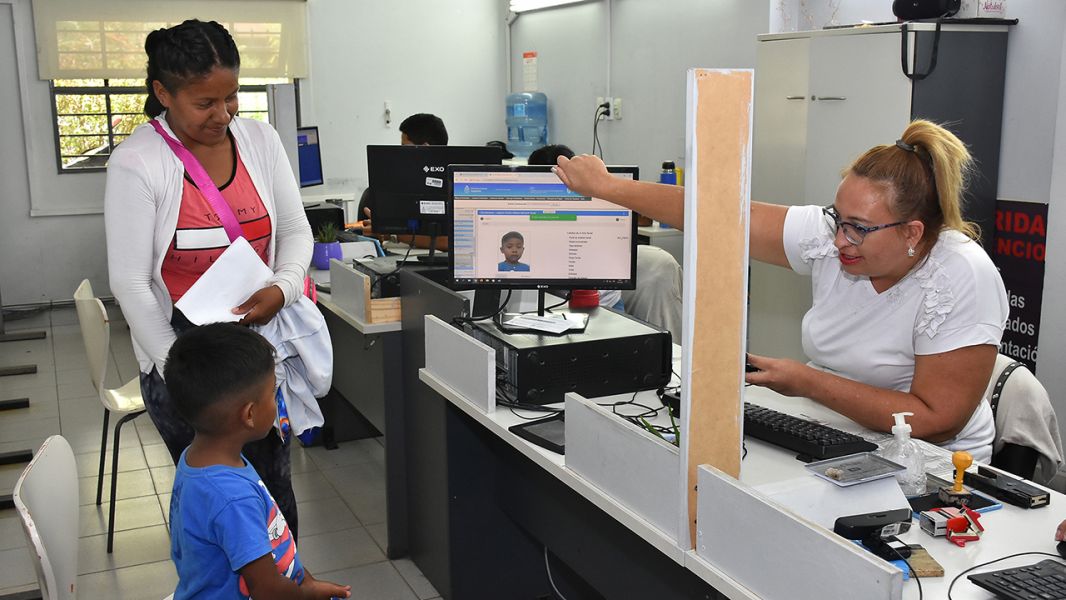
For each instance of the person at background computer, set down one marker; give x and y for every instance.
(908, 310)
(162, 234)
(422, 129)
(512, 246)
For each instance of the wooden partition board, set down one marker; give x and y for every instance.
(777, 554)
(637, 469)
(717, 208)
(462, 363)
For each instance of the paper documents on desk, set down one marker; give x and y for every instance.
(538, 323)
(226, 284)
(823, 503)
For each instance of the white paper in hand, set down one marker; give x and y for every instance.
(226, 284)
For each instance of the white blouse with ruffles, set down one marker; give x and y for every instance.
(953, 299)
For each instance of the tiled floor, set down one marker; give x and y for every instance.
(341, 493)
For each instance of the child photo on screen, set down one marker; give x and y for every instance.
(512, 246)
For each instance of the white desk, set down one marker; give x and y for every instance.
(1008, 530)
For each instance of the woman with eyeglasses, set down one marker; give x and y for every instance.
(908, 310)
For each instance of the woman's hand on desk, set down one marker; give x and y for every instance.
(782, 375)
(262, 306)
(1060, 533)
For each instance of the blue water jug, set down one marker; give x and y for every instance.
(527, 122)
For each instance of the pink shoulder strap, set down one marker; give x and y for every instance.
(204, 183)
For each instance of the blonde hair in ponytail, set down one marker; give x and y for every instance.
(928, 170)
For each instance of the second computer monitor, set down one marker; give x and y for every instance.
(521, 227)
(408, 185)
(309, 155)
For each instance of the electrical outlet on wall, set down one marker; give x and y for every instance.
(600, 100)
(611, 111)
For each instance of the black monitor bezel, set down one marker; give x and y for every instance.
(318, 142)
(539, 284)
(428, 225)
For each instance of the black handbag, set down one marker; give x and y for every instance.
(910, 10)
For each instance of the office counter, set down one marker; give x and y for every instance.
(527, 500)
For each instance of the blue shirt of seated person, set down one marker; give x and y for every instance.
(510, 266)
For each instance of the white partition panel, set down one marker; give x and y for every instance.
(462, 363)
(631, 465)
(779, 555)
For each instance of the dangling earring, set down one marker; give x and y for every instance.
(910, 251)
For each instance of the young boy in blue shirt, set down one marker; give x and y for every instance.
(512, 245)
(227, 537)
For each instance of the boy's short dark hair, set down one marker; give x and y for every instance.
(549, 155)
(214, 363)
(512, 235)
(425, 128)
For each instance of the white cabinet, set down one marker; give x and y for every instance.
(822, 98)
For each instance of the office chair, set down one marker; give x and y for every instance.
(125, 400)
(46, 499)
(657, 298)
(1027, 431)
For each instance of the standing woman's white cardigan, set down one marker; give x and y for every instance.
(144, 188)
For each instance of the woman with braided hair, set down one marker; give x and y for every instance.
(163, 231)
(908, 310)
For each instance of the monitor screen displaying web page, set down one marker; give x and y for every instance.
(521, 227)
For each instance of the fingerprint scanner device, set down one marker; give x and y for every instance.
(616, 354)
(877, 531)
(1007, 488)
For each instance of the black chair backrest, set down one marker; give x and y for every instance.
(1013, 458)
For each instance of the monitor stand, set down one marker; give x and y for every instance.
(518, 322)
(433, 258)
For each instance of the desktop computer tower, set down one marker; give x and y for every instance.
(616, 354)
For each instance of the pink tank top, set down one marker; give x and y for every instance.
(200, 239)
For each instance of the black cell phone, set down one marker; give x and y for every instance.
(549, 433)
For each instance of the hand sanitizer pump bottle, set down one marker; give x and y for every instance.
(906, 452)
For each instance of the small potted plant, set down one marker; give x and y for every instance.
(326, 246)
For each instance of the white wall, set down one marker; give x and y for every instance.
(444, 58)
(1052, 342)
(653, 45)
(41, 258)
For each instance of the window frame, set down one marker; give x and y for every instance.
(107, 92)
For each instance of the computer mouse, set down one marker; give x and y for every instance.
(1061, 547)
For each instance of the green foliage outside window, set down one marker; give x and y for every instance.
(93, 116)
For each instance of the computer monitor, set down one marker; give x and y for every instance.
(520, 227)
(309, 156)
(408, 185)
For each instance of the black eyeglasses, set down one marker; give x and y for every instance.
(853, 232)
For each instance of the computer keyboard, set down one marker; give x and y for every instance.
(1044, 580)
(811, 440)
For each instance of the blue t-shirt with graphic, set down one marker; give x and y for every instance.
(221, 519)
(512, 266)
